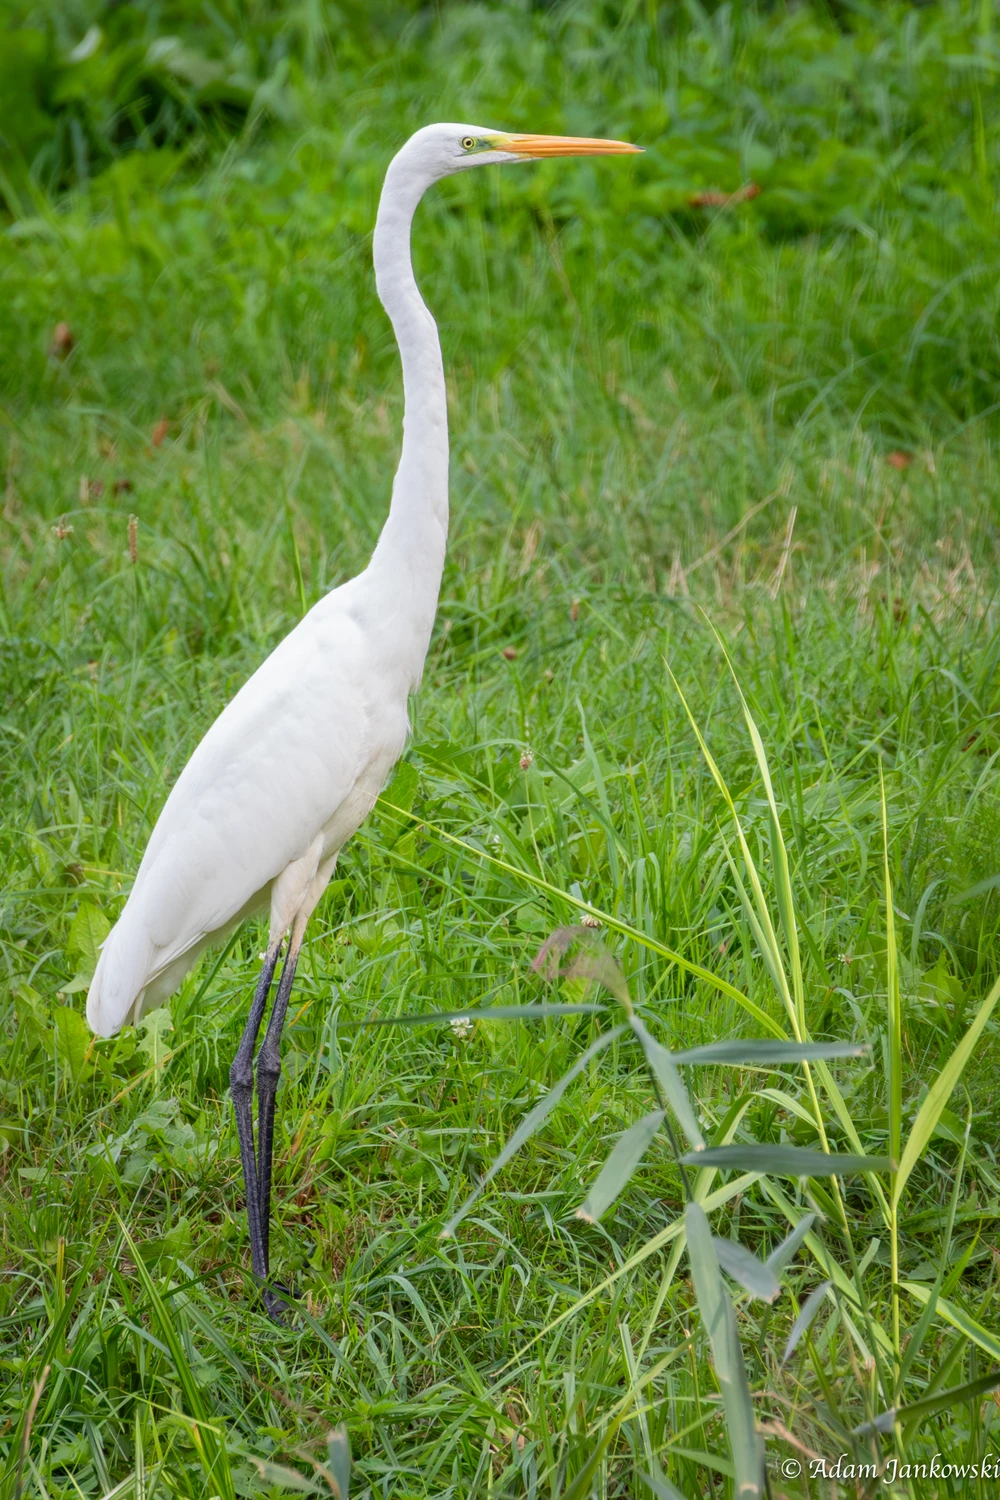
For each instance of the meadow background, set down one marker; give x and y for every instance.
(746, 383)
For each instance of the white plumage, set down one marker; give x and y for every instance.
(292, 766)
(285, 775)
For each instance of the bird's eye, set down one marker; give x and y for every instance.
(468, 141)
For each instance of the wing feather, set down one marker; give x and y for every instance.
(268, 776)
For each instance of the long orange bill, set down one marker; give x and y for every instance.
(563, 145)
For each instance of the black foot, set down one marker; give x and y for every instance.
(278, 1300)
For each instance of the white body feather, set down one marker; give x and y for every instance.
(294, 763)
(292, 766)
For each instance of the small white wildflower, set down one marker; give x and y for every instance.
(461, 1027)
(588, 921)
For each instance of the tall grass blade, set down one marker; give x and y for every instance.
(338, 1447)
(747, 1052)
(481, 1013)
(807, 1313)
(758, 913)
(779, 853)
(727, 1356)
(754, 1275)
(664, 1070)
(914, 1411)
(939, 1093)
(782, 1254)
(785, 1161)
(661, 1486)
(964, 1322)
(894, 1038)
(619, 1167)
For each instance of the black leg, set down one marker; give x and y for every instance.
(241, 1084)
(268, 1074)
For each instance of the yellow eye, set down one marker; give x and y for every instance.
(468, 141)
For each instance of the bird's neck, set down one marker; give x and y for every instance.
(410, 551)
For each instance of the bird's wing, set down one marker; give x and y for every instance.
(266, 778)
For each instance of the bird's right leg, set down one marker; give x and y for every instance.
(241, 1086)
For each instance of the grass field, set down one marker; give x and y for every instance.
(687, 422)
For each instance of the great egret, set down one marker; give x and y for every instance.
(292, 766)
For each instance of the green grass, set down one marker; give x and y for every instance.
(774, 421)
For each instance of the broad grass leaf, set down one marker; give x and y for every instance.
(939, 1093)
(288, 1479)
(956, 1395)
(530, 1124)
(807, 1312)
(754, 1275)
(661, 1486)
(482, 1013)
(664, 1069)
(988, 1341)
(72, 1040)
(782, 1254)
(785, 1161)
(894, 1015)
(176, 1244)
(614, 1175)
(87, 932)
(751, 1052)
(727, 1356)
(339, 1449)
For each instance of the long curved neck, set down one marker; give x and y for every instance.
(411, 547)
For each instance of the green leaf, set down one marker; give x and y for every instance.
(807, 1312)
(928, 1405)
(152, 1035)
(530, 1124)
(77, 983)
(957, 1317)
(782, 1254)
(72, 1040)
(208, 1442)
(894, 1009)
(749, 1052)
(288, 1479)
(482, 1013)
(664, 1069)
(176, 1244)
(661, 1486)
(86, 934)
(785, 1161)
(394, 806)
(339, 1448)
(614, 1175)
(727, 1356)
(939, 1093)
(743, 1266)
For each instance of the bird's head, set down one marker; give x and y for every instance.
(437, 151)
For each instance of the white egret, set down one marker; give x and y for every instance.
(292, 766)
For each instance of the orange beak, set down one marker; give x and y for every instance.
(562, 145)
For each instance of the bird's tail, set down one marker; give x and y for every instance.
(122, 973)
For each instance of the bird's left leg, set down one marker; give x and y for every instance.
(269, 1070)
(241, 1086)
